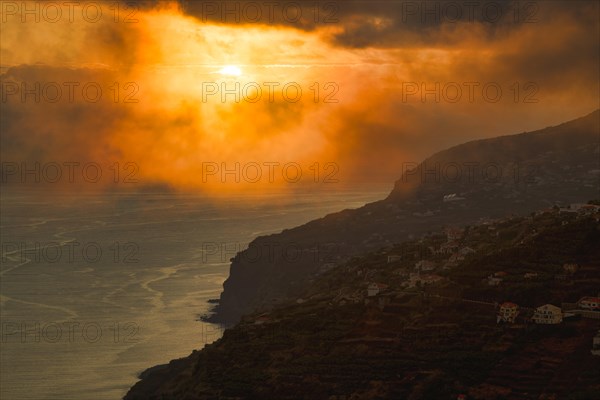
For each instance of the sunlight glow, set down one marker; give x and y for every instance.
(231, 70)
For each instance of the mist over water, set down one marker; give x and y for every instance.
(98, 287)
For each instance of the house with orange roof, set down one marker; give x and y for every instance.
(589, 303)
(453, 233)
(508, 312)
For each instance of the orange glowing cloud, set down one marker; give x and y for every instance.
(186, 99)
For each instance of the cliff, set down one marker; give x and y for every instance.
(437, 337)
(458, 186)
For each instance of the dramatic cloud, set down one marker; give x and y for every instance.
(346, 90)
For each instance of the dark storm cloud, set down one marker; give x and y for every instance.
(391, 23)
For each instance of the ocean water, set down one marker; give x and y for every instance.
(95, 288)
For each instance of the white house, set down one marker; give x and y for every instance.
(454, 233)
(425, 265)
(547, 314)
(393, 258)
(375, 288)
(452, 197)
(494, 280)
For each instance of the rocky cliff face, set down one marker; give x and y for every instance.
(431, 340)
(484, 178)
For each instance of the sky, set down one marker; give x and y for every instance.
(230, 97)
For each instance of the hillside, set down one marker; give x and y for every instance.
(430, 330)
(486, 178)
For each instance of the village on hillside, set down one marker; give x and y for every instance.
(438, 265)
(507, 308)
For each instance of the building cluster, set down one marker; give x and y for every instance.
(580, 209)
(547, 313)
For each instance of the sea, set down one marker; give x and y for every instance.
(97, 287)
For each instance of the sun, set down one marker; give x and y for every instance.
(230, 70)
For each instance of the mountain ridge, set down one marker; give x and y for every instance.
(559, 164)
